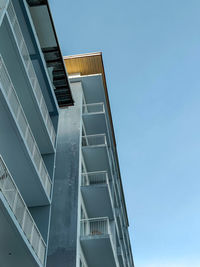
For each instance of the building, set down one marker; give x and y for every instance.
(61, 196)
(88, 184)
(33, 84)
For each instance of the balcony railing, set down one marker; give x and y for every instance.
(121, 253)
(98, 227)
(30, 70)
(94, 140)
(20, 118)
(3, 6)
(95, 226)
(94, 178)
(93, 108)
(21, 212)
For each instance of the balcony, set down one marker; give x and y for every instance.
(94, 140)
(95, 152)
(97, 243)
(96, 108)
(22, 243)
(94, 119)
(22, 73)
(19, 147)
(95, 188)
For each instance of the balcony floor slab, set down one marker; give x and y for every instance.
(97, 201)
(96, 158)
(98, 251)
(95, 123)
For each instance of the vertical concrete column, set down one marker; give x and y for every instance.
(64, 214)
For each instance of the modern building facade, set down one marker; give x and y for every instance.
(61, 196)
(33, 83)
(88, 184)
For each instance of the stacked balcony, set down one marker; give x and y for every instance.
(26, 82)
(94, 119)
(22, 153)
(23, 244)
(96, 185)
(95, 152)
(97, 232)
(124, 245)
(100, 183)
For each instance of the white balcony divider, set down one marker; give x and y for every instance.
(30, 70)
(94, 178)
(12, 99)
(94, 140)
(21, 212)
(93, 108)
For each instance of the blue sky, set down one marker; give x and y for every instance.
(151, 52)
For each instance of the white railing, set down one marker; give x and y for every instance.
(123, 216)
(94, 140)
(94, 178)
(124, 250)
(93, 108)
(95, 226)
(30, 70)
(20, 118)
(3, 6)
(120, 233)
(21, 212)
(121, 253)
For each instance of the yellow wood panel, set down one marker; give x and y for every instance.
(85, 64)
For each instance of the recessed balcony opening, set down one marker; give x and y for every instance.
(95, 108)
(94, 140)
(97, 242)
(95, 153)
(96, 186)
(94, 120)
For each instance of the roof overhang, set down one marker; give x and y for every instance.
(44, 26)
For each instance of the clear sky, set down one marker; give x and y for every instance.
(151, 52)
